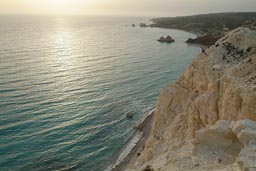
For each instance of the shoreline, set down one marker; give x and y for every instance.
(198, 35)
(143, 129)
(188, 31)
(202, 40)
(200, 46)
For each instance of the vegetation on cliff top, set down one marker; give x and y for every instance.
(218, 23)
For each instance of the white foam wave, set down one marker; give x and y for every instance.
(132, 143)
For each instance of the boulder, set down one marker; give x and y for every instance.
(129, 115)
(143, 25)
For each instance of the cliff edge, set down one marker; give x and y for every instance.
(206, 120)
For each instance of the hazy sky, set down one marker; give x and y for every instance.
(124, 7)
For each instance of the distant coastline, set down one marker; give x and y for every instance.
(216, 23)
(208, 27)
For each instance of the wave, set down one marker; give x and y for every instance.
(132, 143)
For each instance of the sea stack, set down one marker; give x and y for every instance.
(143, 25)
(206, 120)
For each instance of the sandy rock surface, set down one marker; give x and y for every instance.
(205, 121)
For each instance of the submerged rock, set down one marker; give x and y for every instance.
(130, 115)
(143, 25)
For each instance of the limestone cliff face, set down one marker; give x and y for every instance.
(219, 85)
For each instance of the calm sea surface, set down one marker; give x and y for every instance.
(67, 83)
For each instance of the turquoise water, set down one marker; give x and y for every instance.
(66, 84)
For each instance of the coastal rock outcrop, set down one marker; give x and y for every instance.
(143, 25)
(206, 40)
(205, 121)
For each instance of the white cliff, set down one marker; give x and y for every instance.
(205, 121)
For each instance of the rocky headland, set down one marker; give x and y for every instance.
(207, 119)
(206, 40)
(208, 27)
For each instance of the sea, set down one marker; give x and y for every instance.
(68, 82)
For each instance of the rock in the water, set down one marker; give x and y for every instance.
(143, 25)
(129, 115)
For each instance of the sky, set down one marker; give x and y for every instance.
(125, 7)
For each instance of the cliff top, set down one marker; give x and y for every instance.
(217, 23)
(234, 47)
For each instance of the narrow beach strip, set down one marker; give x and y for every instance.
(138, 139)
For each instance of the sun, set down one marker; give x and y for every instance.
(59, 1)
(59, 6)
(70, 7)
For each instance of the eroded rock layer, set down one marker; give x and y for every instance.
(205, 120)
